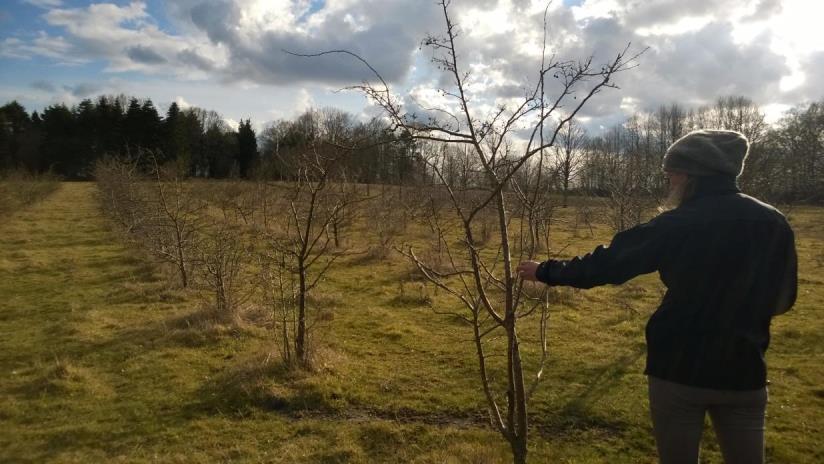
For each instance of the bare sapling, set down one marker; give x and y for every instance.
(301, 250)
(173, 231)
(387, 220)
(584, 217)
(279, 296)
(223, 256)
(347, 214)
(481, 278)
(236, 201)
(123, 196)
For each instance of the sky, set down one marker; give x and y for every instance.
(229, 55)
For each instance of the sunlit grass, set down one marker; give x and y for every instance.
(103, 359)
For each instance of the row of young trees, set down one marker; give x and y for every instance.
(19, 189)
(267, 243)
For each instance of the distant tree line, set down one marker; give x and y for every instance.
(68, 141)
(786, 160)
(623, 162)
(377, 155)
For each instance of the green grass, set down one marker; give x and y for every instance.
(19, 189)
(104, 360)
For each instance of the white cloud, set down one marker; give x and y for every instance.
(596, 9)
(233, 124)
(303, 101)
(56, 48)
(681, 26)
(699, 50)
(774, 111)
(124, 36)
(182, 103)
(44, 3)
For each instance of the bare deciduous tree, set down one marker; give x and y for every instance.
(481, 278)
(301, 248)
(223, 256)
(121, 192)
(172, 232)
(568, 155)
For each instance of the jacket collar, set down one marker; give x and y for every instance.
(707, 186)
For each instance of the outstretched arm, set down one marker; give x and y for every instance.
(631, 253)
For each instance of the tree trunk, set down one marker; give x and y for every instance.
(182, 267)
(519, 441)
(300, 337)
(519, 450)
(181, 260)
(517, 418)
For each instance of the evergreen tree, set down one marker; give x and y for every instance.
(150, 126)
(173, 133)
(60, 149)
(219, 147)
(133, 128)
(6, 160)
(15, 122)
(246, 148)
(86, 118)
(109, 125)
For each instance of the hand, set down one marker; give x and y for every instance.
(526, 270)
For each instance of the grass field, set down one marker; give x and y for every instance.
(103, 360)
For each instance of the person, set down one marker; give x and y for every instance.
(729, 264)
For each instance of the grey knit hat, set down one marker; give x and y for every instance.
(707, 153)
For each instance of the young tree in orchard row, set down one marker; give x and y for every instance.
(301, 246)
(484, 283)
(159, 211)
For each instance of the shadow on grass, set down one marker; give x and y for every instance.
(576, 416)
(605, 381)
(264, 384)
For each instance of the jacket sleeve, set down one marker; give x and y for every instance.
(631, 253)
(789, 282)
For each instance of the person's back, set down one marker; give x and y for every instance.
(726, 264)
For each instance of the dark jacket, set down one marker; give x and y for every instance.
(729, 264)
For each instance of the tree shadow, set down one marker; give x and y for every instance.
(604, 381)
(576, 415)
(265, 383)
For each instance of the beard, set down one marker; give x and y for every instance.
(675, 196)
